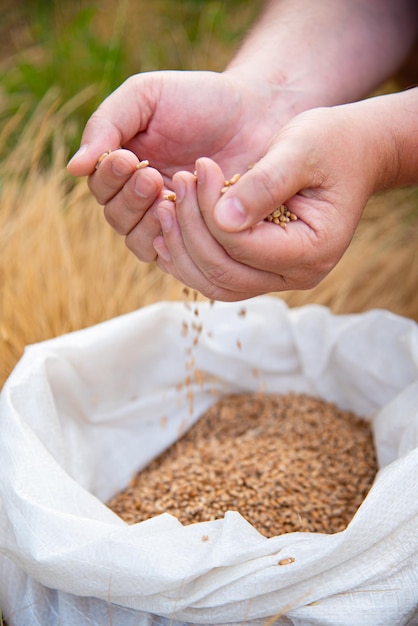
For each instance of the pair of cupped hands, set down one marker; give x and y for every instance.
(199, 129)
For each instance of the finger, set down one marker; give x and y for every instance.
(111, 174)
(273, 180)
(172, 256)
(266, 246)
(303, 251)
(182, 267)
(128, 207)
(140, 240)
(187, 237)
(123, 114)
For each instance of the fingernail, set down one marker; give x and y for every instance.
(229, 213)
(144, 185)
(80, 152)
(166, 219)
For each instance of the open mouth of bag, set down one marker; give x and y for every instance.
(83, 413)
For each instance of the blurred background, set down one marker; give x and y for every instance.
(77, 53)
(61, 266)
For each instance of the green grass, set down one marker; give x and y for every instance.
(66, 57)
(81, 51)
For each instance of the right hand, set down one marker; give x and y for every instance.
(171, 118)
(324, 165)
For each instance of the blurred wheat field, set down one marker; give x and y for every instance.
(63, 268)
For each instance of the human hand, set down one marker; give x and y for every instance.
(170, 119)
(323, 165)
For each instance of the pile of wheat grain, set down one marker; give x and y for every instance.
(287, 463)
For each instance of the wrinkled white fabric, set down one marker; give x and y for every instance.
(80, 414)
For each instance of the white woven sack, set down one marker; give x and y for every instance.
(80, 414)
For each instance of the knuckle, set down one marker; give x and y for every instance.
(312, 276)
(111, 219)
(143, 253)
(222, 284)
(99, 195)
(238, 252)
(98, 119)
(267, 186)
(217, 275)
(222, 295)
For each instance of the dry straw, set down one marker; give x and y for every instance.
(61, 265)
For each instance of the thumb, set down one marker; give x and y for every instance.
(273, 180)
(117, 120)
(100, 136)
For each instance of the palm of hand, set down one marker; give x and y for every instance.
(196, 114)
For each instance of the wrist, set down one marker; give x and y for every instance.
(309, 52)
(290, 97)
(391, 122)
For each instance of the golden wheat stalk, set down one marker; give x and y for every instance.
(61, 265)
